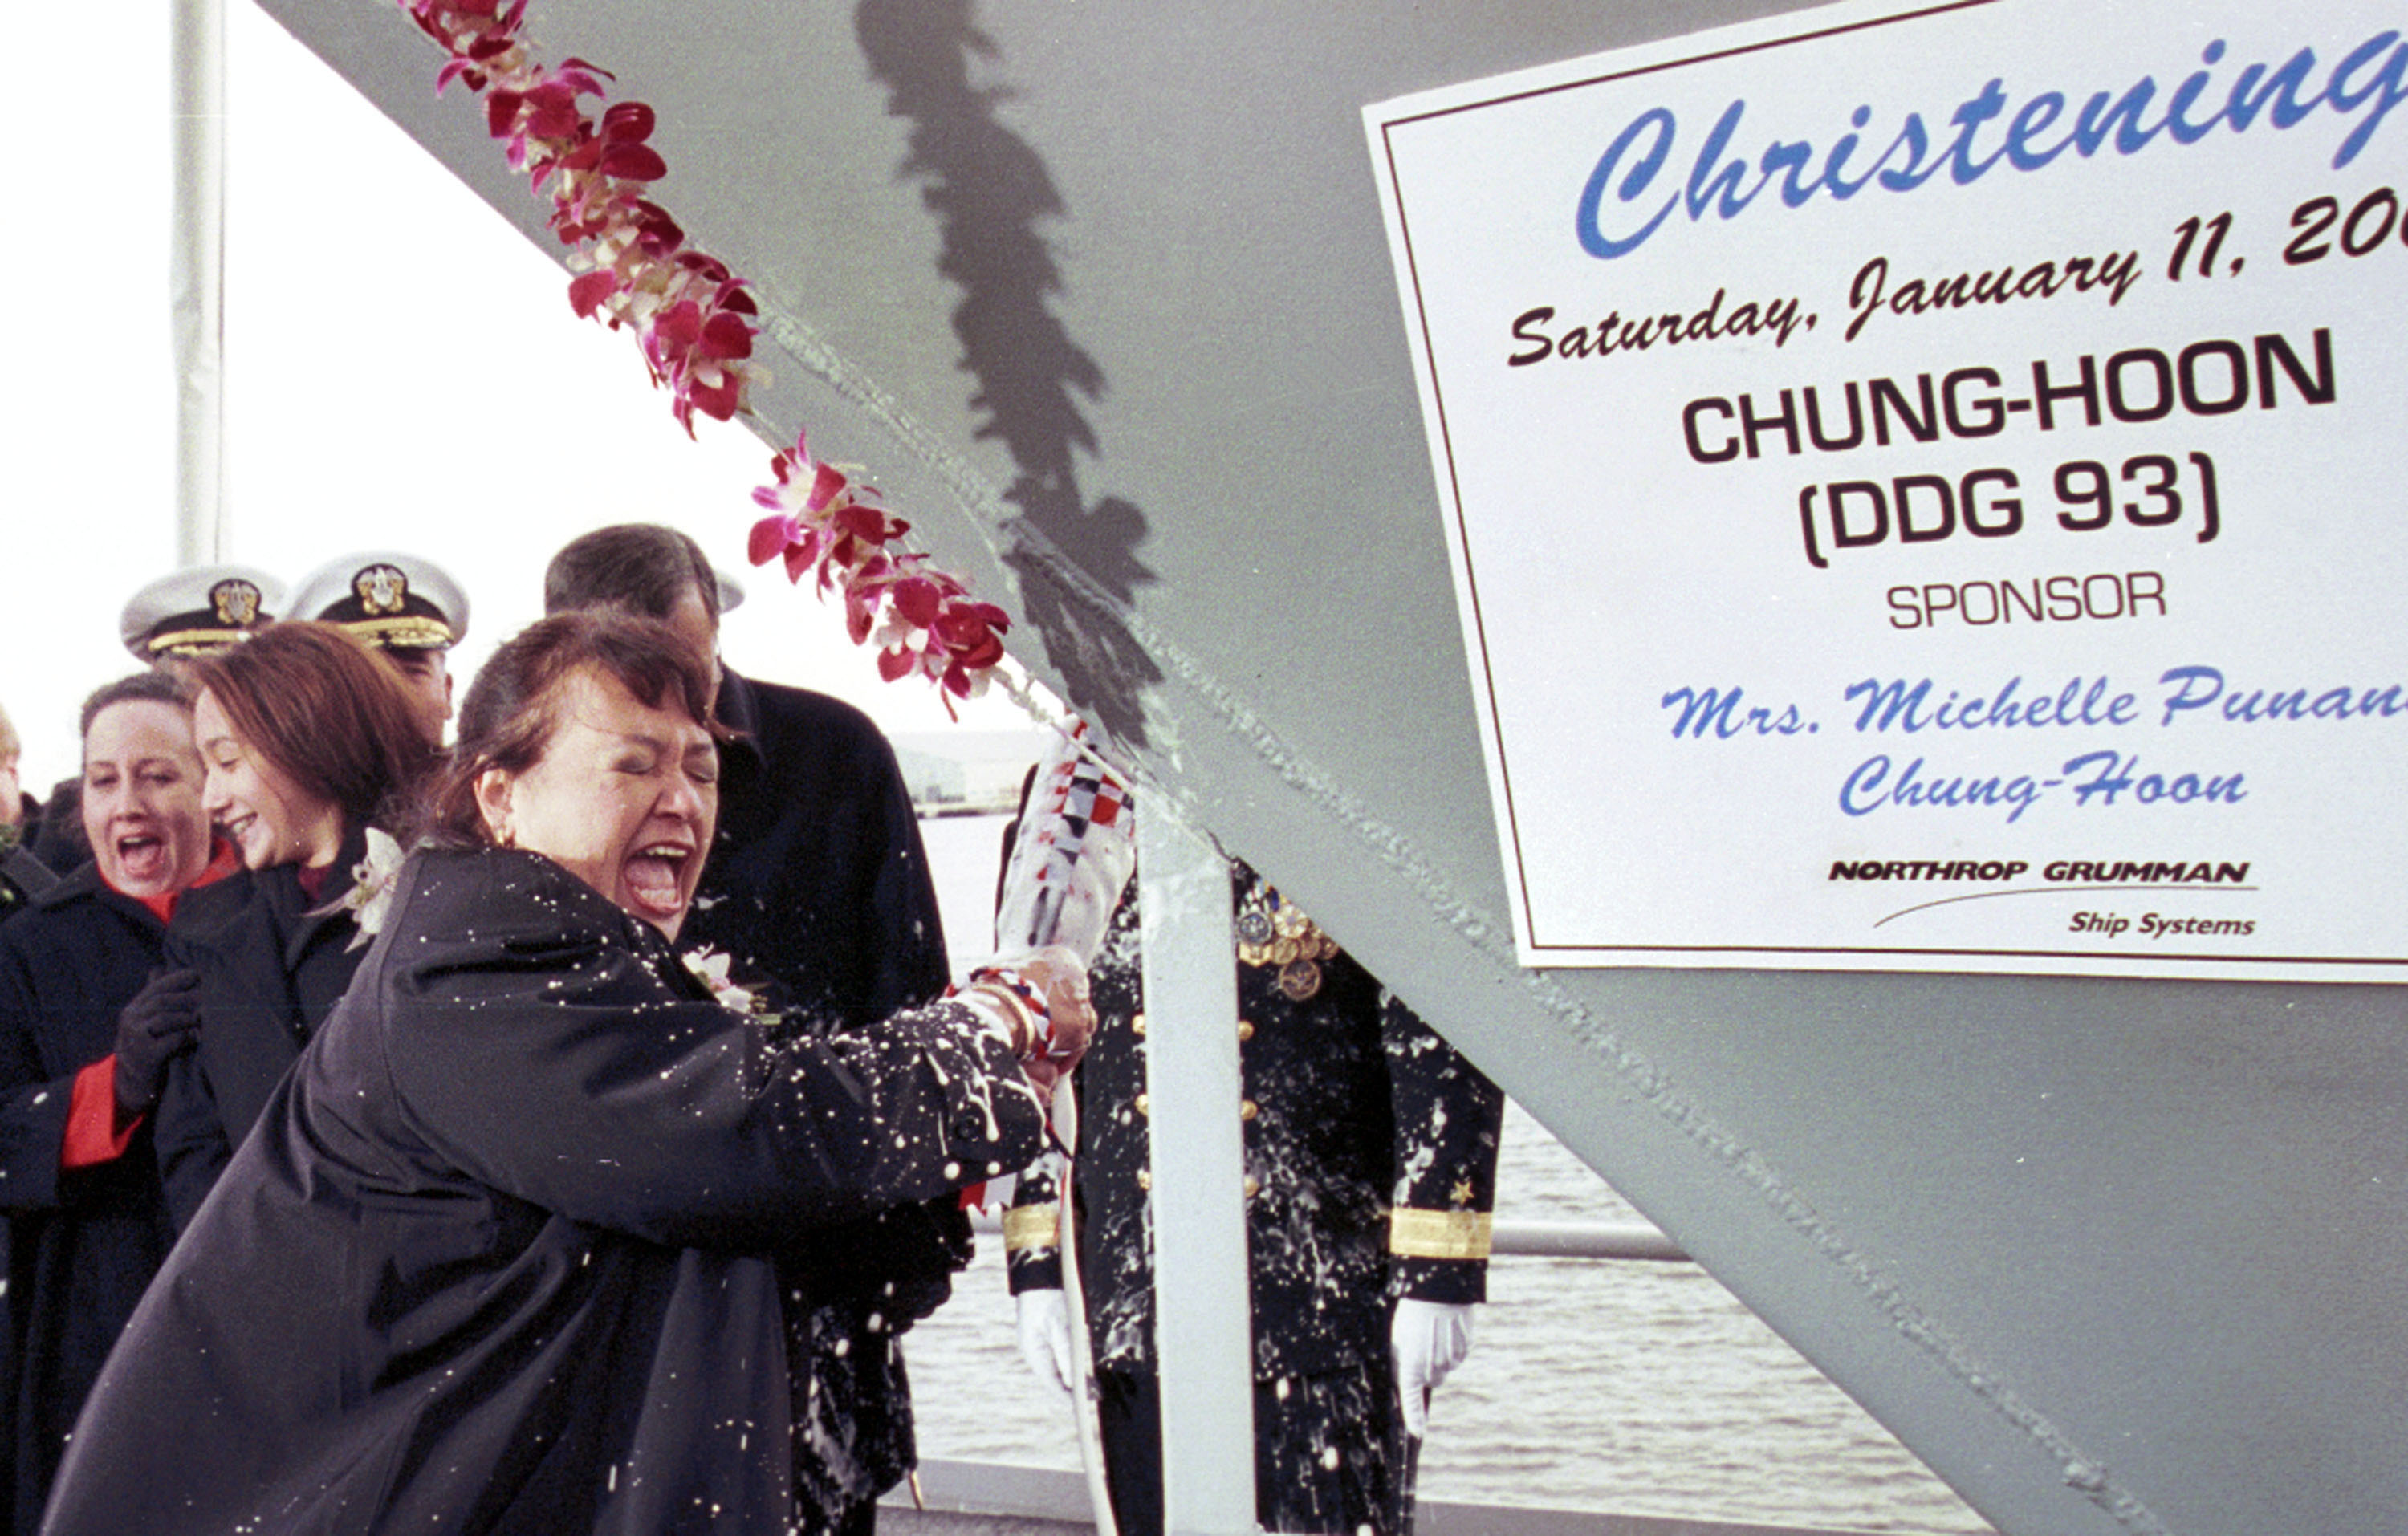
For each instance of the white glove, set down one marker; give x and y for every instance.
(1045, 1337)
(1429, 1340)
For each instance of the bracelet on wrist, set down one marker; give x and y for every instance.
(1000, 1010)
(1026, 1005)
(997, 1011)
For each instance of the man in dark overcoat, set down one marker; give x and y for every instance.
(818, 887)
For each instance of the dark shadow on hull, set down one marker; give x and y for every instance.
(990, 191)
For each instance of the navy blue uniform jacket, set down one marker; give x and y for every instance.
(1354, 1108)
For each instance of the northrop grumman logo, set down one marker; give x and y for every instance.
(2056, 871)
(1984, 880)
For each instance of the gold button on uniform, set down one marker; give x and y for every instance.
(1253, 1187)
(1137, 1023)
(1144, 1179)
(1145, 1105)
(1246, 1110)
(1245, 1030)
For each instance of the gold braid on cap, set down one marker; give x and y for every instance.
(403, 631)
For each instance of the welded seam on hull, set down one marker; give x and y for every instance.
(988, 512)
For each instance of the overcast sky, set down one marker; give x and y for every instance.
(402, 371)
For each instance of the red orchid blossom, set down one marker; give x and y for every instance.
(696, 321)
(922, 620)
(689, 313)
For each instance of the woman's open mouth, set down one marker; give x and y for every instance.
(142, 857)
(655, 880)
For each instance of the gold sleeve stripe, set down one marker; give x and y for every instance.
(1439, 1234)
(1029, 1226)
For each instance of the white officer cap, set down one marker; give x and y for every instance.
(403, 602)
(200, 607)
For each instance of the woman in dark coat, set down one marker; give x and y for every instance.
(307, 742)
(80, 1063)
(497, 1259)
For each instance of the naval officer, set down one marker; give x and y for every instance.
(406, 607)
(197, 609)
(1371, 1173)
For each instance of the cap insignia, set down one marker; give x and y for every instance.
(381, 589)
(234, 602)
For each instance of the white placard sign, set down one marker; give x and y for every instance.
(1925, 485)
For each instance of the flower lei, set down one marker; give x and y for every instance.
(693, 319)
(821, 519)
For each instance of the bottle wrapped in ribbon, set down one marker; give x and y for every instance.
(1076, 850)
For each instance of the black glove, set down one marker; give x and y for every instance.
(898, 1263)
(161, 1021)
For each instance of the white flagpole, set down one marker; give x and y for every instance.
(196, 276)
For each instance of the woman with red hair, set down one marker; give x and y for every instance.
(310, 746)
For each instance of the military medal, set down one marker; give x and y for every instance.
(1300, 980)
(1274, 932)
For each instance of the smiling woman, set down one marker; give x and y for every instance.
(138, 782)
(506, 1252)
(309, 745)
(81, 1045)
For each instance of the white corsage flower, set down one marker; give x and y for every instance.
(372, 881)
(710, 968)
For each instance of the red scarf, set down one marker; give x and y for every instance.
(224, 861)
